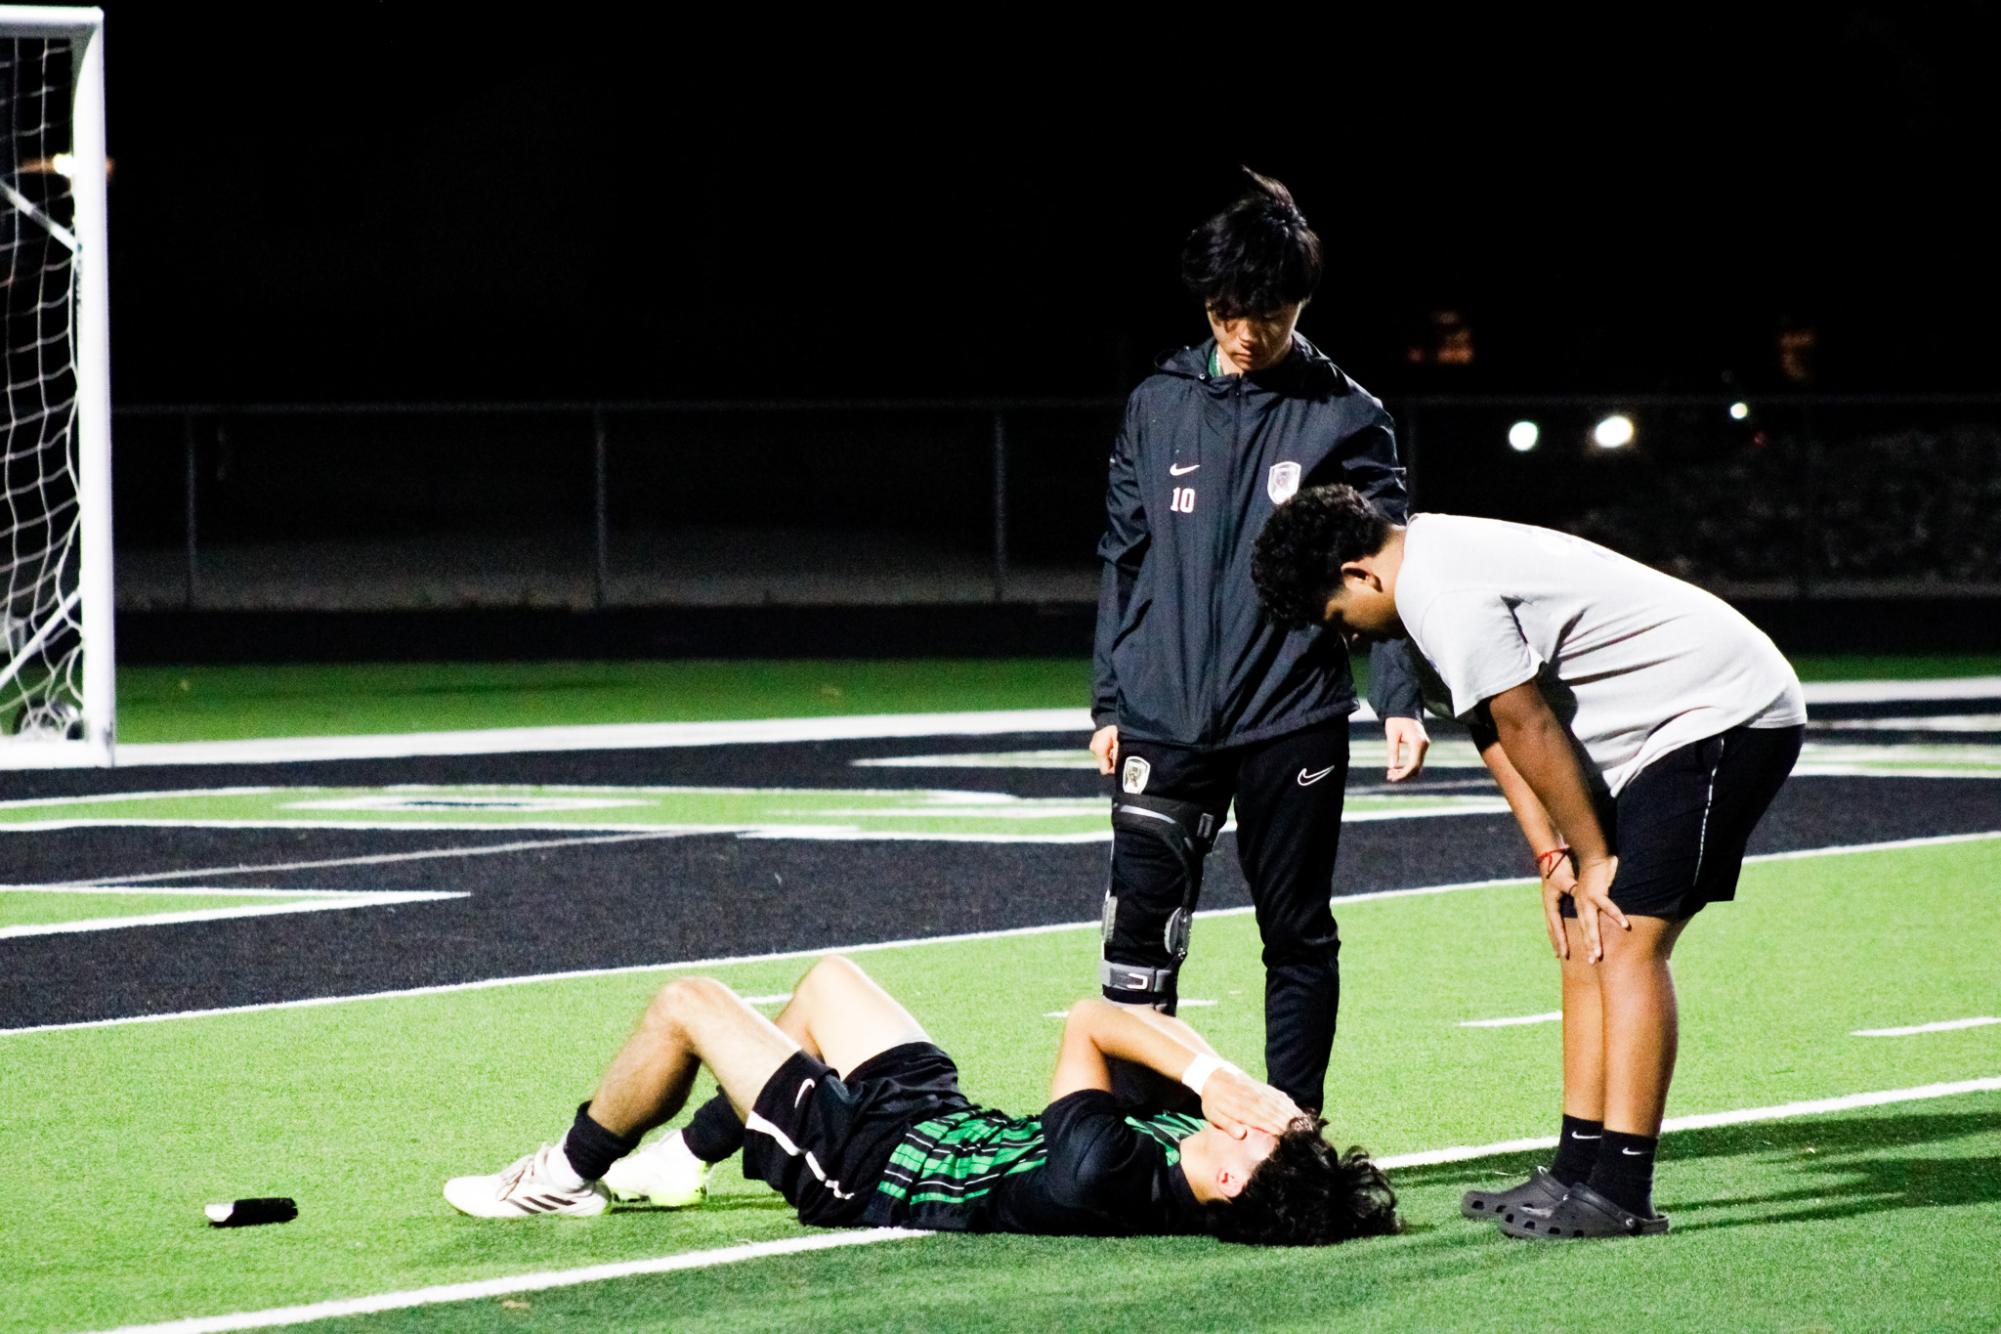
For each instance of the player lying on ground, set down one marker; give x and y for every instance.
(846, 1108)
(1637, 726)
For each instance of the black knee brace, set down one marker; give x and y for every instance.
(1188, 832)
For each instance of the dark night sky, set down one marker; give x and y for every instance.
(359, 201)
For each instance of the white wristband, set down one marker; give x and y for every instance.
(1198, 1071)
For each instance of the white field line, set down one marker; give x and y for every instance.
(322, 901)
(216, 891)
(1943, 1026)
(776, 956)
(1784, 1111)
(1897, 692)
(1553, 1017)
(565, 1278)
(379, 858)
(649, 736)
(502, 1287)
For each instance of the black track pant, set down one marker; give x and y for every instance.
(1288, 794)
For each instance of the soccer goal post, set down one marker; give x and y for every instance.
(57, 687)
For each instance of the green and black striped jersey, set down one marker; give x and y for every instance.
(1082, 1166)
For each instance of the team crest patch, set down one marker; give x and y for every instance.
(1283, 481)
(1136, 773)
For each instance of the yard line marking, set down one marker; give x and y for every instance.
(1708, 1120)
(100, 798)
(1897, 692)
(1925, 722)
(318, 901)
(502, 1287)
(1552, 1017)
(374, 859)
(959, 937)
(1944, 1026)
(565, 1278)
(858, 727)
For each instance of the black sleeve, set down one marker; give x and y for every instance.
(1122, 549)
(1369, 464)
(1098, 1162)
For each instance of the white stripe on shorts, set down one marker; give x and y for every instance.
(758, 1125)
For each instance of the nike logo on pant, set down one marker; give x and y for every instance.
(1308, 780)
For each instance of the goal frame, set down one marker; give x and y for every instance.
(83, 29)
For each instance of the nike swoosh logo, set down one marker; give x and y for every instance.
(1308, 780)
(1575, 1135)
(1634, 1153)
(1176, 471)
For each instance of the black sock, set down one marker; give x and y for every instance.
(1624, 1172)
(715, 1133)
(591, 1148)
(1576, 1149)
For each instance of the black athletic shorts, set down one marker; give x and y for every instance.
(1680, 826)
(822, 1140)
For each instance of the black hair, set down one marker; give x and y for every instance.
(1297, 562)
(1308, 1194)
(1255, 257)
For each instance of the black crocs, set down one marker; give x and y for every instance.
(1540, 1189)
(1582, 1212)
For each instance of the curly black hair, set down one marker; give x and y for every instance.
(1297, 562)
(1255, 257)
(1309, 1194)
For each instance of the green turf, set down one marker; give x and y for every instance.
(26, 908)
(226, 703)
(1886, 1218)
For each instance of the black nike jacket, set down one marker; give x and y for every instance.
(1184, 652)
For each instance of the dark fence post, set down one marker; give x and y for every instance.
(188, 508)
(1000, 506)
(600, 508)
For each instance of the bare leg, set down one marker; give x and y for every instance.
(841, 1015)
(1640, 1024)
(1583, 1033)
(692, 1022)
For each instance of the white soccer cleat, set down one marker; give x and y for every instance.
(533, 1185)
(663, 1173)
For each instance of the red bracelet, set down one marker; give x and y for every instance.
(1543, 865)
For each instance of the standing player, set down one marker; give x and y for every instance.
(846, 1107)
(1637, 726)
(1199, 699)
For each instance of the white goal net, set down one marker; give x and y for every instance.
(56, 685)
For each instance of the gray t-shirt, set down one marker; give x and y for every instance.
(1635, 662)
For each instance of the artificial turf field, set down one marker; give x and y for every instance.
(441, 879)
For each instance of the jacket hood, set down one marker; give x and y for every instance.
(1307, 368)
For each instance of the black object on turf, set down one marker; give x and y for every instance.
(251, 1212)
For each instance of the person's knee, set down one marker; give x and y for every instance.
(683, 1000)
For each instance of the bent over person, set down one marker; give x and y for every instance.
(1637, 726)
(1199, 699)
(845, 1106)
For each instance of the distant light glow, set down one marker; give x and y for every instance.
(1522, 436)
(64, 165)
(1739, 411)
(1615, 432)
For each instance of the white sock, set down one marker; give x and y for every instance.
(676, 1153)
(561, 1172)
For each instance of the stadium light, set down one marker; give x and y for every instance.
(1615, 432)
(1739, 411)
(1522, 436)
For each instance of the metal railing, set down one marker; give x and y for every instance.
(600, 504)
